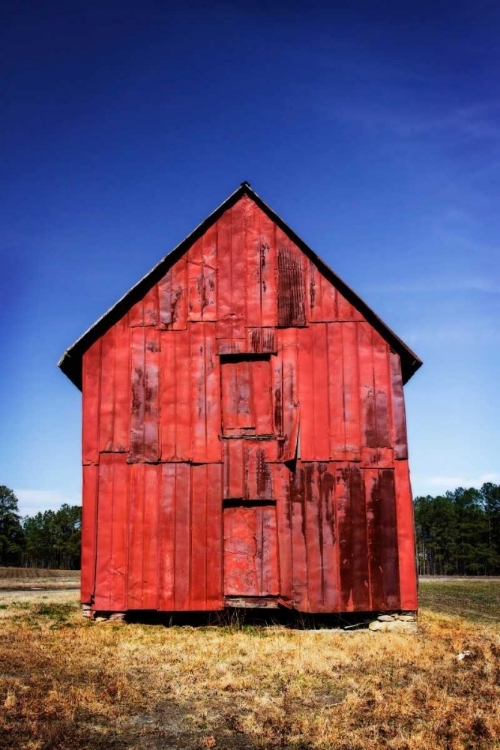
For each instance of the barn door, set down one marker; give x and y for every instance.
(250, 551)
(250, 538)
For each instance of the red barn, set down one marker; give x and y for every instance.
(244, 436)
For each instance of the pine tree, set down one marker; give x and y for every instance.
(11, 530)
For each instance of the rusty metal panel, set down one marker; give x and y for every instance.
(247, 470)
(382, 385)
(291, 283)
(321, 538)
(321, 296)
(352, 417)
(112, 549)
(336, 428)
(196, 282)
(238, 270)
(89, 531)
(277, 387)
(237, 411)
(91, 401)
(359, 543)
(231, 255)
(367, 386)
(151, 307)
(253, 245)
(389, 538)
(175, 396)
(233, 469)
(353, 542)
(314, 393)
(246, 396)
(204, 369)
(250, 552)
(299, 545)
(144, 421)
(197, 551)
(314, 530)
(106, 414)
(406, 536)
(399, 437)
(136, 314)
(268, 271)
(261, 340)
(202, 278)
(382, 539)
(172, 296)
(281, 492)
(114, 430)
(373, 516)
(143, 539)
(190, 537)
(230, 322)
(287, 401)
(182, 536)
(260, 374)
(214, 537)
(151, 393)
(209, 306)
(257, 471)
(309, 553)
(346, 311)
(166, 537)
(305, 369)
(381, 457)
(260, 253)
(122, 390)
(330, 592)
(213, 451)
(137, 342)
(321, 401)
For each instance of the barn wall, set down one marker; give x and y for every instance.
(159, 458)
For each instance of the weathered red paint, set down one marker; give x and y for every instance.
(244, 434)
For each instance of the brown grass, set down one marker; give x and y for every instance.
(66, 682)
(21, 579)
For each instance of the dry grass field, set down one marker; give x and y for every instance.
(25, 579)
(67, 682)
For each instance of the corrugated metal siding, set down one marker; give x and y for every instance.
(243, 376)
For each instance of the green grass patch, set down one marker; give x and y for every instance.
(475, 600)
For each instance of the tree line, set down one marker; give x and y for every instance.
(457, 533)
(50, 539)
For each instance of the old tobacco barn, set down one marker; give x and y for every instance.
(244, 436)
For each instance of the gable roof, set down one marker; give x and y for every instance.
(71, 361)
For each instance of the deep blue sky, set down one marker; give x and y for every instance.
(372, 128)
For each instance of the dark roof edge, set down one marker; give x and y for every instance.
(71, 361)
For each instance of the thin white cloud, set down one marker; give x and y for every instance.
(406, 120)
(32, 502)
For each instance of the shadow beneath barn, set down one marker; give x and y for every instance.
(242, 618)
